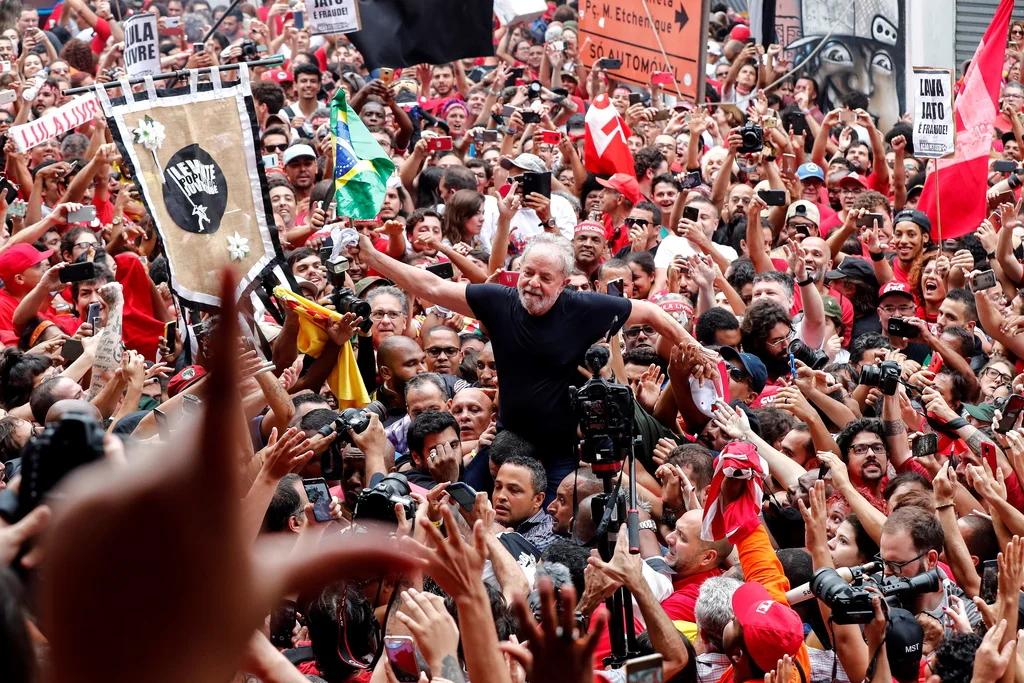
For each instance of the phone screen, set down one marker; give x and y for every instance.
(282, 622)
(320, 496)
(402, 657)
(463, 494)
(616, 287)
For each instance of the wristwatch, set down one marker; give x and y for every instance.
(116, 220)
(804, 283)
(648, 524)
(549, 224)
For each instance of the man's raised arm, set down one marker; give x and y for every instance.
(422, 283)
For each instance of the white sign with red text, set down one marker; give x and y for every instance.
(75, 113)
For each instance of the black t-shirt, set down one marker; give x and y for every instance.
(537, 355)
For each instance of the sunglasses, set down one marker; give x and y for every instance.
(276, 148)
(641, 222)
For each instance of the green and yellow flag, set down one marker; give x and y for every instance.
(361, 167)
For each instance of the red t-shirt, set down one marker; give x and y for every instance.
(679, 606)
(9, 304)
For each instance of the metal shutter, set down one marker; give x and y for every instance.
(972, 19)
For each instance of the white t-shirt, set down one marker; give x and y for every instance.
(526, 222)
(674, 245)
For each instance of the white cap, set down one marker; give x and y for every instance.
(297, 152)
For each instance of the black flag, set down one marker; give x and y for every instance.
(397, 33)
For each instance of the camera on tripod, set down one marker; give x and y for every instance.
(851, 604)
(885, 376)
(73, 441)
(379, 500)
(604, 411)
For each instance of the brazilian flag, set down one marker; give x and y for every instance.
(361, 167)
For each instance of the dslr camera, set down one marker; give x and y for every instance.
(812, 358)
(73, 441)
(344, 299)
(603, 410)
(885, 376)
(851, 603)
(753, 138)
(356, 419)
(379, 500)
(251, 51)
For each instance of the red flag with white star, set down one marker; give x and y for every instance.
(605, 151)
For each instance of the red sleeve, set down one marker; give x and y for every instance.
(321, 57)
(1014, 493)
(912, 465)
(101, 33)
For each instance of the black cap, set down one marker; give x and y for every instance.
(918, 218)
(856, 268)
(904, 640)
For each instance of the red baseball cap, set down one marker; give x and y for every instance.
(624, 184)
(741, 33)
(770, 629)
(184, 379)
(16, 259)
(894, 287)
(854, 178)
(278, 76)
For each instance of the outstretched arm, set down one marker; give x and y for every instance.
(416, 281)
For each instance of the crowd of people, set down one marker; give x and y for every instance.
(818, 407)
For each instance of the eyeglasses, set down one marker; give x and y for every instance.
(902, 309)
(380, 315)
(634, 332)
(851, 190)
(785, 340)
(86, 245)
(434, 351)
(276, 148)
(865, 448)
(993, 373)
(897, 567)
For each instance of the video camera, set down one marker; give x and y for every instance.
(73, 441)
(851, 604)
(885, 376)
(379, 500)
(604, 411)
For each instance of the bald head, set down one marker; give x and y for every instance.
(393, 348)
(72, 405)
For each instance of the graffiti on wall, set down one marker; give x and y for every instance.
(866, 52)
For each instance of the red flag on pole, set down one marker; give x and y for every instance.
(964, 178)
(605, 151)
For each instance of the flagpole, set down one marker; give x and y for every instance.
(938, 208)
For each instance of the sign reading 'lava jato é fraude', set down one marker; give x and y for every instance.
(934, 128)
(331, 17)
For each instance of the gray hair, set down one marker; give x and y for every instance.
(574, 202)
(426, 378)
(713, 610)
(555, 244)
(403, 300)
(74, 145)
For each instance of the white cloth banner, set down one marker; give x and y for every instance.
(934, 127)
(331, 17)
(141, 45)
(75, 113)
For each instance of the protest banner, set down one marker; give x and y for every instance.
(141, 48)
(624, 32)
(934, 127)
(332, 17)
(193, 154)
(77, 112)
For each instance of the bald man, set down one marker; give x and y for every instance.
(819, 261)
(586, 484)
(474, 411)
(72, 405)
(399, 359)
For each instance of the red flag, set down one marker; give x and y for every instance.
(605, 151)
(738, 460)
(963, 180)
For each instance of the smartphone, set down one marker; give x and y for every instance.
(529, 116)
(198, 47)
(402, 657)
(989, 580)
(190, 404)
(5, 67)
(635, 98)
(691, 213)
(870, 220)
(1010, 413)
(442, 270)
(172, 22)
(8, 96)
(789, 164)
(439, 144)
(847, 115)
(463, 494)
(988, 451)
(71, 351)
(986, 279)
(662, 115)
(691, 180)
(270, 161)
(94, 315)
(161, 423)
(616, 287)
(386, 75)
(661, 78)
(550, 137)
(924, 444)
(1004, 166)
(320, 496)
(536, 182)
(171, 332)
(299, 19)
(773, 197)
(282, 623)
(645, 670)
(898, 327)
(87, 214)
(76, 272)
(608, 64)
(509, 278)
(507, 111)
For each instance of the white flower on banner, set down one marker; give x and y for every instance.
(238, 247)
(150, 133)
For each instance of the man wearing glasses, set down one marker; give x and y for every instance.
(911, 542)
(444, 353)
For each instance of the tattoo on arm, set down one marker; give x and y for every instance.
(451, 670)
(893, 427)
(974, 441)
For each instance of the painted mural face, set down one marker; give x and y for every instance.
(865, 54)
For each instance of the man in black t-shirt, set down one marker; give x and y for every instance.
(539, 332)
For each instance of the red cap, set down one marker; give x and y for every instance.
(184, 379)
(770, 629)
(278, 76)
(589, 226)
(624, 184)
(894, 287)
(741, 33)
(16, 259)
(855, 178)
